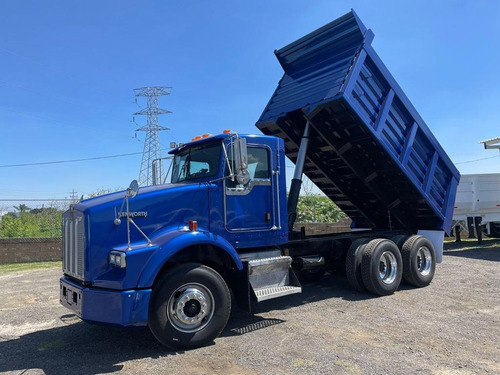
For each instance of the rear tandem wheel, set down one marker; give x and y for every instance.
(419, 261)
(353, 264)
(381, 267)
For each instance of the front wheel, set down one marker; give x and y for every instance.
(189, 307)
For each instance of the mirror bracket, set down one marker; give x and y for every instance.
(131, 192)
(240, 154)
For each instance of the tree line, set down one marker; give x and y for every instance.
(28, 222)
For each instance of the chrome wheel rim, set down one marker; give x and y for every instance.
(388, 267)
(190, 308)
(424, 260)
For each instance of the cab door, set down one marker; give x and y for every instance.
(250, 207)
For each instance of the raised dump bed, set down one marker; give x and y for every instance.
(369, 150)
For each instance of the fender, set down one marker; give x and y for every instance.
(172, 241)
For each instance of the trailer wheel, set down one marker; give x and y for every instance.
(189, 307)
(419, 261)
(353, 264)
(381, 267)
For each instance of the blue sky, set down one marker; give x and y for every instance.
(69, 69)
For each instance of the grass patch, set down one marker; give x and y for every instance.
(14, 267)
(349, 367)
(300, 363)
(471, 244)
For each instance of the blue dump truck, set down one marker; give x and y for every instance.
(173, 257)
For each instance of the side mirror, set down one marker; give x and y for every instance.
(133, 189)
(241, 161)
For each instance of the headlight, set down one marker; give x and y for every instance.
(118, 259)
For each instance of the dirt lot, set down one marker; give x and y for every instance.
(450, 327)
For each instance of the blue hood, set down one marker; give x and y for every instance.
(153, 209)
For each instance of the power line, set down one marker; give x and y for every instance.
(139, 153)
(473, 161)
(68, 161)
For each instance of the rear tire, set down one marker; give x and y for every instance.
(419, 261)
(353, 264)
(381, 267)
(399, 240)
(189, 307)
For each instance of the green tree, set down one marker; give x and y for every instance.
(43, 222)
(22, 208)
(317, 209)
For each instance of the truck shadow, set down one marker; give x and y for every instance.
(330, 286)
(77, 348)
(81, 348)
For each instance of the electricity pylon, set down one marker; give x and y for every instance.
(151, 166)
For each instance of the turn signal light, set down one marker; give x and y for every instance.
(193, 225)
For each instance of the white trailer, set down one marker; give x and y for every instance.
(478, 202)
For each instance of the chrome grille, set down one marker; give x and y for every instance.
(74, 245)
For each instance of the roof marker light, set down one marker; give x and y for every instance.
(227, 131)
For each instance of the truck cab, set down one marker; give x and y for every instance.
(244, 200)
(222, 209)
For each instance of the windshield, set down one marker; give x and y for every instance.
(196, 162)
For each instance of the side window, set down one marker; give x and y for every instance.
(199, 168)
(258, 166)
(258, 163)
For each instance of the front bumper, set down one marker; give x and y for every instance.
(117, 307)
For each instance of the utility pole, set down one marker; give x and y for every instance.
(151, 171)
(74, 197)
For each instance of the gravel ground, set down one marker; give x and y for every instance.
(449, 327)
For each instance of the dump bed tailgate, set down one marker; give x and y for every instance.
(369, 150)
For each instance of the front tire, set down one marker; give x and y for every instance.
(189, 307)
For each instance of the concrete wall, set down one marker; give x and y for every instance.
(23, 250)
(324, 228)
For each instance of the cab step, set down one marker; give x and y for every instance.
(272, 278)
(275, 292)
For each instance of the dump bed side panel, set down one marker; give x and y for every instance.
(370, 151)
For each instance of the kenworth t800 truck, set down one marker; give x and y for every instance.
(171, 256)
